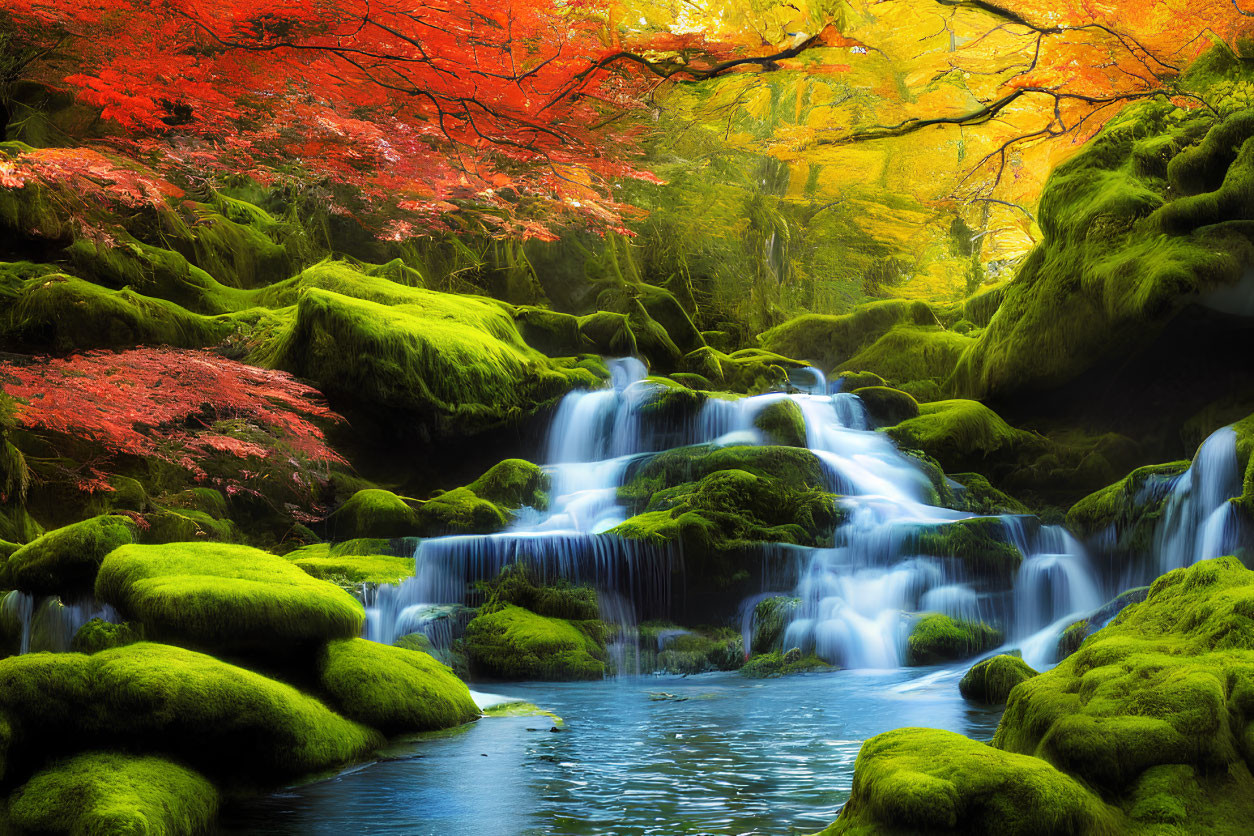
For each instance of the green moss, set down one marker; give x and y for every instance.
(63, 313)
(977, 545)
(517, 585)
(964, 435)
(514, 643)
(771, 665)
(393, 689)
(853, 381)
(796, 469)
(770, 619)
(1072, 637)
(991, 680)
(609, 334)
(173, 701)
(113, 793)
(782, 422)
(932, 781)
(1170, 681)
(1133, 505)
(513, 483)
(461, 511)
(830, 341)
(373, 513)
(456, 364)
(224, 597)
(67, 558)
(937, 638)
(979, 497)
(521, 709)
(351, 570)
(97, 635)
(887, 406)
(910, 355)
(1128, 242)
(699, 651)
(551, 332)
(664, 309)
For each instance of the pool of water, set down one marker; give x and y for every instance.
(722, 754)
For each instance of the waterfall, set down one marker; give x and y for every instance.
(47, 624)
(1198, 522)
(858, 598)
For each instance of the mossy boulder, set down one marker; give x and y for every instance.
(770, 619)
(551, 332)
(98, 634)
(517, 585)
(828, 341)
(514, 643)
(773, 664)
(916, 358)
(1131, 507)
(977, 496)
(937, 638)
(373, 513)
(991, 680)
(67, 559)
(393, 689)
(172, 701)
(348, 569)
(887, 406)
(700, 651)
(976, 547)
(225, 597)
(933, 781)
(452, 364)
(782, 423)
(609, 334)
(513, 483)
(1076, 632)
(114, 793)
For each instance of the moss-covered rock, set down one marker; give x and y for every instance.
(829, 341)
(887, 406)
(937, 638)
(770, 619)
(114, 793)
(1132, 506)
(699, 651)
(977, 496)
(173, 701)
(393, 689)
(517, 585)
(1076, 632)
(67, 558)
(348, 569)
(455, 364)
(933, 781)
(773, 664)
(98, 634)
(514, 643)
(373, 513)
(916, 358)
(991, 680)
(225, 597)
(551, 332)
(782, 423)
(976, 547)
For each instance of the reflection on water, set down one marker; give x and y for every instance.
(727, 755)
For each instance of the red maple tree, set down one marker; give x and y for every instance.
(178, 406)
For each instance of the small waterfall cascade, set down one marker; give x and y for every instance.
(46, 624)
(1198, 522)
(858, 598)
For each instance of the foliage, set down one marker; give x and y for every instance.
(181, 407)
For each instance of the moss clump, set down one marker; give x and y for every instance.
(771, 665)
(551, 332)
(67, 558)
(770, 619)
(514, 643)
(781, 422)
(932, 781)
(113, 793)
(518, 586)
(224, 597)
(373, 513)
(63, 313)
(513, 483)
(991, 681)
(351, 570)
(796, 469)
(937, 638)
(964, 435)
(977, 545)
(829, 341)
(98, 634)
(486, 504)
(455, 364)
(174, 701)
(887, 406)
(918, 359)
(1133, 506)
(979, 497)
(694, 651)
(1168, 682)
(609, 334)
(393, 689)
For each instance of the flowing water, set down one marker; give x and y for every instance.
(724, 755)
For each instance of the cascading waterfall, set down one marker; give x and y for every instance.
(49, 624)
(1198, 523)
(858, 598)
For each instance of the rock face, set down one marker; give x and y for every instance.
(992, 680)
(1147, 724)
